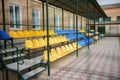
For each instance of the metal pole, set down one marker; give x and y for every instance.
(81, 22)
(54, 20)
(27, 16)
(94, 23)
(48, 46)
(3, 13)
(77, 28)
(62, 19)
(43, 15)
(4, 26)
(87, 12)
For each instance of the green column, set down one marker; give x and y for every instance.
(77, 27)
(48, 46)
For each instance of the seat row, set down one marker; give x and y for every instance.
(29, 34)
(60, 52)
(35, 43)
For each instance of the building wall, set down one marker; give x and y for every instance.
(113, 30)
(37, 5)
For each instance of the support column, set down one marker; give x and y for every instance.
(77, 28)
(62, 19)
(81, 22)
(54, 19)
(48, 46)
(43, 15)
(27, 16)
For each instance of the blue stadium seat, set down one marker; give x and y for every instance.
(4, 36)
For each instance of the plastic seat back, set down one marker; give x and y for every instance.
(63, 49)
(70, 46)
(59, 51)
(4, 36)
(67, 47)
(44, 32)
(13, 34)
(29, 44)
(41, 33)
(45, 56)
(20, 34)
(26, 34)
(36, 43)
(32, 33)
(37, 33)
(53, 53)
(42, 42)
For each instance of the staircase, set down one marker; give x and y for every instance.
(20, 63)
(14, 60)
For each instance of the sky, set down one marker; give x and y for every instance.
(105, 2)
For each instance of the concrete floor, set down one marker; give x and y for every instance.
(100, 62)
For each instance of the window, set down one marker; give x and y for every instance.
(35, 19)
(70, 23)
(15, 17)
(107, 19)
(118, 18)
(57, 24)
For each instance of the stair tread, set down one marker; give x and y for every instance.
(27, 64)
(9, 50)
(33, 72)
(14, 56)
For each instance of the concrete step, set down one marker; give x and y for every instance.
(33, 72)
(13, 57)
(27, 64)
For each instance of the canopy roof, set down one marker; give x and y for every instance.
(94, 9)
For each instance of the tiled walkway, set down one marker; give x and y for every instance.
(101, 62)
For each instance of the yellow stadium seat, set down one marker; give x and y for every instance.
(36, 43)
(20, 34)
(26, 34)
(45, 40)
(29, 44)
(96, 38)
(97, 32)
(45, 56)
(102, 34)
(74, 45)
(44, 32)
(91, 30)
(42, 42)
(88, 34)
(56, 40)
(32, 33)
(64, 38)
(37, 33)
(71, 47)
(64, 51)
(54, 54)
(82, 31)
(51, 32)
(13, 34)
(51, 41)
(41, 33)
(68, 49)
(59, 52)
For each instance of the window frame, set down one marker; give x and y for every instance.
(70, 23)
(57, 22)
(36, 28)
(20, 12)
